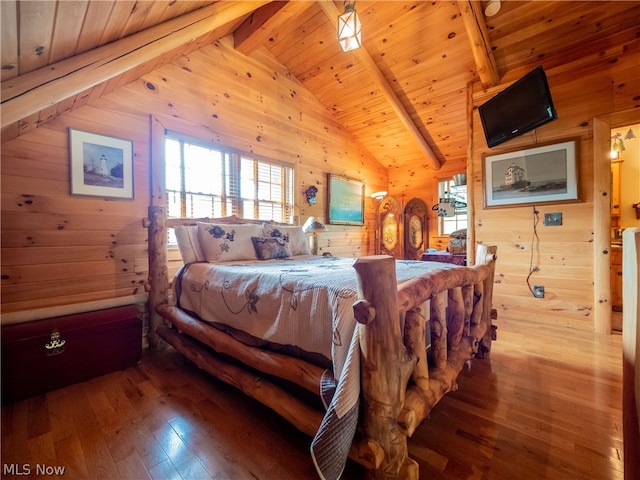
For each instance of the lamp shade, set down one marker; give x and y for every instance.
(349, 29)
(313, 225)
(460, 179)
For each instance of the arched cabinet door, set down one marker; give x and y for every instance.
(415, 229)
(389, 228)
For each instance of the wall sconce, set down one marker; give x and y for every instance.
(310, 193)
(617, 146)
(379, 195)
(349, 28)
(313, 226)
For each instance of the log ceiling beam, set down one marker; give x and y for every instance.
(263, 24)
(370, 66)
(472, 16)
(30, 93)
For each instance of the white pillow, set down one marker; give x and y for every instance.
(292, 235)
(223, 243)
(189, 244)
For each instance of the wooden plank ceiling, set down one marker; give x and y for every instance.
(403, 95)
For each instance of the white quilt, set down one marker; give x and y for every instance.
(305, 302)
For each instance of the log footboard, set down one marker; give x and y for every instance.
(393, 350)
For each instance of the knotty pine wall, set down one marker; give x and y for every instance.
(420, 180)
(59, 249)
(565, 255)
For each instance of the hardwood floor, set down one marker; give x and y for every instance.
(546, 405)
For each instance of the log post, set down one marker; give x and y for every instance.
(415, 334)
(456, 317)
(477, 325)
(158, 273)
(385, 365)
(467, 294)
(439, 329)
(486, 255)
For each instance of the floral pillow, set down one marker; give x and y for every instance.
(223, 243)
(269, 248)
(293, 236)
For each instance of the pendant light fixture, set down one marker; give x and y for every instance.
(349, 28)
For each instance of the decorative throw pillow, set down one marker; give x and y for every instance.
(189, 244)
(223, 243)
(269, 248)
(293, 236)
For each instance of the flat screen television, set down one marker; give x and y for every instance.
(518, 109)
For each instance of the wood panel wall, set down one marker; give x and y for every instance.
(59, 249)
(565, 258)
(420, 180)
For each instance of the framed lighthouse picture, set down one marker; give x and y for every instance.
(540, 175)
(100, 165)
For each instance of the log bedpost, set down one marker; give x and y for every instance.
(486, 255)
(385, 365)
(158, 273)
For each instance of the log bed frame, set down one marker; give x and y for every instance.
(400, 383)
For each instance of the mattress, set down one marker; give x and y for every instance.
(301, 305)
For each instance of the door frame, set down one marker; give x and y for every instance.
(602, 126)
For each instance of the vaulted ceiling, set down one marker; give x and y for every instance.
(404, 94)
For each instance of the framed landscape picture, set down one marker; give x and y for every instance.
(346, 201)
(100, 165)
(538, 175)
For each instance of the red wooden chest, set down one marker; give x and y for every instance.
(44, 355)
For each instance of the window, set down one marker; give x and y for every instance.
(207, 181)
(458, 193)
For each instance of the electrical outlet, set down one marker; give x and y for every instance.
(538, 291)
(553, 219)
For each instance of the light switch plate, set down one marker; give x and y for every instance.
(553, 219)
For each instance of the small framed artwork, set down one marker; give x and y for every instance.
(539, 175)
(346, 201)
(100, 166)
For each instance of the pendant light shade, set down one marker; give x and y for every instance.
(349, 28)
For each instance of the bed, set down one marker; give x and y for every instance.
(353, 352)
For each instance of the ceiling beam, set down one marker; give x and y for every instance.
(370, 66)
(263, 24)
(30, 93)
(472, 17)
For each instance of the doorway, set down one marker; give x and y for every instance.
(602, 128)
(625, 192)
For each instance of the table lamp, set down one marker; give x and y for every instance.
(313, 226)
